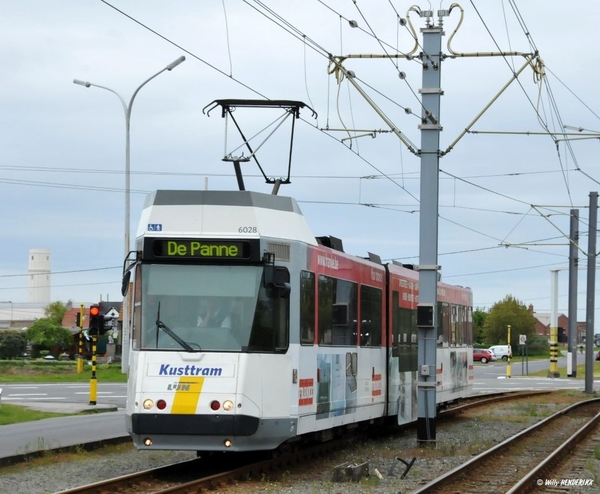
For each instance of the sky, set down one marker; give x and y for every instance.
(505, 191)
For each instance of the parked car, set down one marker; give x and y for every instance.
(481, 355)
(493, 355)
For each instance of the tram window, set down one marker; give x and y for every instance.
(444, 324)
(270, 328)
(462, 325)
(307, 308)
(337, 312)
(370, 316)
(136, 320)
(460, 332)
(454, 325)
(469, 327)
(395, 323)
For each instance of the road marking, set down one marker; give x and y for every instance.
(28, 394)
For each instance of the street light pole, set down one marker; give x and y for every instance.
(127, 110)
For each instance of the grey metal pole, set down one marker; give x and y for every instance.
(573, 265)
(428, 230)
(127, 226)
(591, 294)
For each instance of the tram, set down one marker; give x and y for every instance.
(249, 332)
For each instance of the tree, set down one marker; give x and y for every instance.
(56, 312)
(479, 317)
(509, 311)
(46, 333)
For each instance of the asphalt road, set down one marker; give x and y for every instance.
(107, 393)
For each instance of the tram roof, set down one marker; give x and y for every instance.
(243, 198)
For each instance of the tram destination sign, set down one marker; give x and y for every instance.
(202, 249)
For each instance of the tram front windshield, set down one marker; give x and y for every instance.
(207, 308)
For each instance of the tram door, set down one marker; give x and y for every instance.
(404, 359)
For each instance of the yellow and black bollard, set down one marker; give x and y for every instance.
(93, 380)
(553, 371)
(508, 369)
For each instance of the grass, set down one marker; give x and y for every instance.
(13, 371)
(13, 414)
(563, 371)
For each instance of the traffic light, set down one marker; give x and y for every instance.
(562, 337)
(96, 321)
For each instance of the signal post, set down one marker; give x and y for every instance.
(96, 328)
(430, 58)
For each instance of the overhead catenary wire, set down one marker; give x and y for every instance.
(336, 139)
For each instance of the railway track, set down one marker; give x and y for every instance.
(527, 461)
(219, 470)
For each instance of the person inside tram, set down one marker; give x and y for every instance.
(214, 313)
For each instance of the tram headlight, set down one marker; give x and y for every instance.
(147, 442)
(148, 404)
(228, 443)
(228, 405)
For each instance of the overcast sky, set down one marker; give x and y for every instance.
(504, 197)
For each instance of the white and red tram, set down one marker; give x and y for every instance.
(247, 331)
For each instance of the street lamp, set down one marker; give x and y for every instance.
(127, 110)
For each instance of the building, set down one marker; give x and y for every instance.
(16, 315)
(39, 272)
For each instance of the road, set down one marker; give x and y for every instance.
(107, 393)
(492, 377)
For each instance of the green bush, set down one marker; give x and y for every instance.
(12, 344)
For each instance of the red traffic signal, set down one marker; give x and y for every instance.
(96, 321)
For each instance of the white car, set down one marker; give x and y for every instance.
(501, 351)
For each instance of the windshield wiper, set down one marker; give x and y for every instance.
(170, 332)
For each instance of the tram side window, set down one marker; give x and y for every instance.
(370, 316)
(469, 328)
(454, 325)
(307, 308)
(444, 324)
(337, 312)
(461, 326)
(395, 324)
(270, 328)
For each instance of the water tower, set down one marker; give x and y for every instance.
(39, 276)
